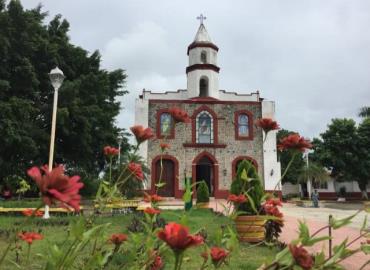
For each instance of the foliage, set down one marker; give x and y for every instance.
(364, 112)
(315, 172)
(248, 182)
(29, 49)
(202, 192)
(297, 165)
(345, 149)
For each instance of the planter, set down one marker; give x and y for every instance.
(250, 229)
(204, 205)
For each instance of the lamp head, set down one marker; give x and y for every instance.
(56, 77)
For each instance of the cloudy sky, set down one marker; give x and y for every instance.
(311, 57)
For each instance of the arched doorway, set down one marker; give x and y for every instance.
(205, 171)
(236, 162)
(168, 176)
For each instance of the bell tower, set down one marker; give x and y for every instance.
(202, 71)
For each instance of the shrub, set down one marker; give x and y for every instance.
(202, 192)
(248, 181)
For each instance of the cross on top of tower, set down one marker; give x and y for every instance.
(201, 18)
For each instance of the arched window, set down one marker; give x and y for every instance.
(204, 128)
(203, 57)
(203, 87)
(243, 125)
(165, 124)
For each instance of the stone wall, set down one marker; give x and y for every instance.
(226, 135)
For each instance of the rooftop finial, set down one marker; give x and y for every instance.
(201, 18)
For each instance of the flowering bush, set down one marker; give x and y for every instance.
(87, 247)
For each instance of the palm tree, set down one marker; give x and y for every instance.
(314, 171)
(364, 112)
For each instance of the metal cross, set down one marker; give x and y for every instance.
(201, 18)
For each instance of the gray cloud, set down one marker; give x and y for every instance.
(311, 57)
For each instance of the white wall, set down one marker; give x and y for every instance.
(193, 82)
(272, 169)
(141, 118)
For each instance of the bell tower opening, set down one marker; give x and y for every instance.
(203, 57)
(203, 87)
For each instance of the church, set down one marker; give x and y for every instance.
(222, 131)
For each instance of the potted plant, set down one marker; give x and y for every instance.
(247, 195)
(202, 195)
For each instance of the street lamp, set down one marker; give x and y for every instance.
(56, 78)
(119, 139)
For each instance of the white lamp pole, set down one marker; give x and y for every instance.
(120, 139)
(56, 78)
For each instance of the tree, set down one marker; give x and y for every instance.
(315, 172)
(344, 149)
(298, 163)
(364, 112)
(87, 99)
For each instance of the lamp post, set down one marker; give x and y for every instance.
(56, 77)
(120, 139)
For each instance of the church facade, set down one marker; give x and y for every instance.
(222, 131)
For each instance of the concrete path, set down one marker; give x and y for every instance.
(317, 218)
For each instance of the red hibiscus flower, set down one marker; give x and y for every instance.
(31, 212)
(301, 256)
(56, 186)
(29, 237)
(274, 202)
(152, 211)
(267, 124)
(294, 142)
(136, 170)
(157, 264)
(164, 146)
(118, 238)
(178, 238)
(152, 198)
(110, 151)
(237, 199)
(142, 134)
(218, 255)
(179, 115)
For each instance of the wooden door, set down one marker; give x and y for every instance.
(168, 177)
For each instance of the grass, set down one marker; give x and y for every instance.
(24, 203)
(55, 231)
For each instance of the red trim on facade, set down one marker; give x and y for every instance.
(190, 101)
(158, 125)
(237, 159)
(194, 122)
(250, 125)
(204, 145)
(154, 173)
(202, 45)
(202, 66)
(216, 192)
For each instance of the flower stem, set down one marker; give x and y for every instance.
(4, 254)
(286, 170)
(28, 254)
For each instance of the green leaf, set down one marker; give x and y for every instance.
(244, 175)
(338, 253)
(319, 258)
(310, 242)
(284, 257)
(304, 233)
(252, 204)
(336, 224)
(365, 248)
(364, 224)
(160, 184)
